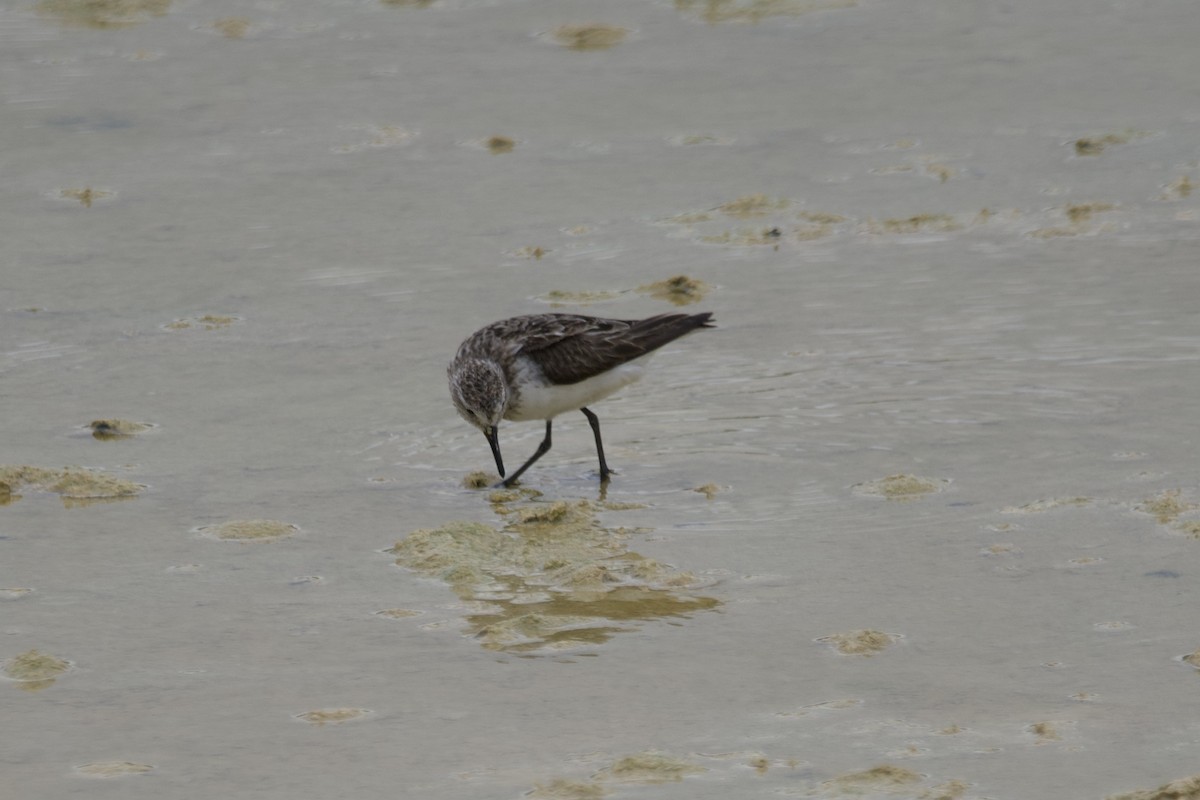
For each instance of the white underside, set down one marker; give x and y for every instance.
(541, 401)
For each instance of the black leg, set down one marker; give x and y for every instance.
(594, 421)
(542, 449)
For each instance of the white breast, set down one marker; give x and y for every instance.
(541, 400)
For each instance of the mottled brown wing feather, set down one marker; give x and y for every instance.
(603, 344)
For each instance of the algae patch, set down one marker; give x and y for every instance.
(900, 487)
(76, 485)
(860, 643)
(102, 13)
(208, 322)
(1182, 789)
(918, 223)
(680, 290)
(332, 716)
(1079, 218)
(753, 205)
(479, 480)
(553, 577)
(777, 217)
(250, 530)
(112, 769)
(560, 297)
(590, 36)
(648, 767)
(1166, 507)
(1038, 506)
(497, 145)
(109, 429)
(398, 613)
(885, 777)
(232, 27)
(35, 666)
(1095, 145)
(563, 789)
(86, 196)
(714, 11)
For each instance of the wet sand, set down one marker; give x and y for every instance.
(920, 519)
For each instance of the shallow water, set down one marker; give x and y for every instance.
(948, 243)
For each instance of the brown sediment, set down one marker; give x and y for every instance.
(761, 764)
(553, 576)
(102, 13)
(648, 767)
(680, 290)
(252, 530)
(900, 487)
(709, 490)
(860, 643)
(1193, 658)
(500, 144)
(590, 36)
(333, 716)
(1182, 789)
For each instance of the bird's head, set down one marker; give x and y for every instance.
(480, 393)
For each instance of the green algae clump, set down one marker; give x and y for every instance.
(900, 487)
(35, 666)
(552, 578)
(102, 13)
(860, 643)
(1182, 789)
(590, 36)
(648, 767)
(680, 290)
(251, 530)
(76, 485)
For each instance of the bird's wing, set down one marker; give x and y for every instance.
(578, 347)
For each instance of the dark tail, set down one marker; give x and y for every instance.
(653, 333)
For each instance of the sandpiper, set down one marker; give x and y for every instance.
(540, 365)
